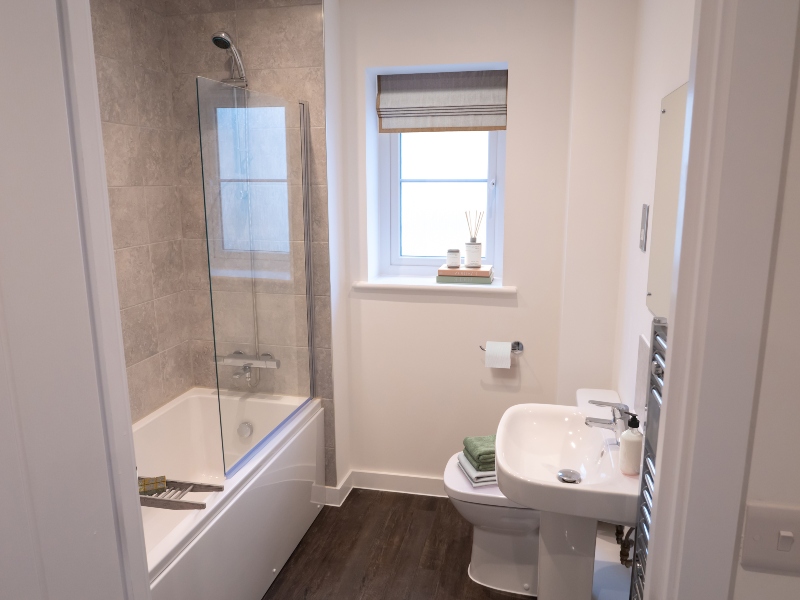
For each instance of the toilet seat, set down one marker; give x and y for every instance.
(458, 487)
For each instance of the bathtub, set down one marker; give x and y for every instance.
(236, 546)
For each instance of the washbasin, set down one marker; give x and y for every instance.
(536, 441)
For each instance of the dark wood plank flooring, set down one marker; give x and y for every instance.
(383, 546)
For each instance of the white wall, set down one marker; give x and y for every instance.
(407, 368)
(776, 445)
(662, 55)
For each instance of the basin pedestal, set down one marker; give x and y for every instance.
(566, 556)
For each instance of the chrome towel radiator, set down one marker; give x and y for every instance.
(658, 368)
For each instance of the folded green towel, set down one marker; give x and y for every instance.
(486, 466)
(481, 447)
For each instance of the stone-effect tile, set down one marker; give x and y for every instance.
(203, 367)
(330, 467)
(199, 311)
(321, 265)
(188, 168)
(299, 84)
(167, 263)
(149, 43)
(154, 98)
(163, 213)
(330, 423)
(281, 37)
(242, 4)
(176, 365)
(117, 90)
(322, 321)
(139, 332)
(192, 211)
(134, 275)
(128, 216)
(121, 145)
(282, 320)
(323, 372)
(182, 7)
(157, 156)
(319, 213)
(145, 387)
(195, 264)
(319, 160)
(172, 320)
(111, 29)
(297, 283)
(191, 50)
(233, 317)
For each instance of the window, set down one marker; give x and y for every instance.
(430, 179)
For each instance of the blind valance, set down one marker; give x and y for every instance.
(461, 101)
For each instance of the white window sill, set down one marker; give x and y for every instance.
(428, 285)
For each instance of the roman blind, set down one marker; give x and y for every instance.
(460, 101)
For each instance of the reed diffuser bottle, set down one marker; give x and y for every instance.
(473, 248)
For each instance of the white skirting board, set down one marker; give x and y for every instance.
(386, 482)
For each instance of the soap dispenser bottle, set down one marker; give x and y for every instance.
(630, 448)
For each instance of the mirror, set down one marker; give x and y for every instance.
(665, 201)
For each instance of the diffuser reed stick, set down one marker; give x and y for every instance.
(474, 223)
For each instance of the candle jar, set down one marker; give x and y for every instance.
(453, 258)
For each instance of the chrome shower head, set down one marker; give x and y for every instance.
(224, 41)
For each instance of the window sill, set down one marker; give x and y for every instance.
(428, 285)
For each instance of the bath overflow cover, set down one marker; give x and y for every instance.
(569, 476)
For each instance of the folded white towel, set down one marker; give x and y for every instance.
(481, 483)
(472, 472)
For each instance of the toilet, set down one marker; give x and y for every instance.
(505, 540)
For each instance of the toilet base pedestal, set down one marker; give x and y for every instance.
(566, 556)
(505, 562)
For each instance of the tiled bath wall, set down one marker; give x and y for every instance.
(149, 53)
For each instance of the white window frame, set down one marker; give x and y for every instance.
(391, 261)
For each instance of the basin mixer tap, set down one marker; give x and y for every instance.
(612, 423)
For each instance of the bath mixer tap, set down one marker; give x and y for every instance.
(246, 370)
(611, 424)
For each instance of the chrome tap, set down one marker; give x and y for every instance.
(246, 370)
(611, 424)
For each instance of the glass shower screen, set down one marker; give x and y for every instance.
(255, 182)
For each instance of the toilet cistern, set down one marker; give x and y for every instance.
(612, 423)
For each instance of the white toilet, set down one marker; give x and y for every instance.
(505, 540)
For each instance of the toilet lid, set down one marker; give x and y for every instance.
(458, 486)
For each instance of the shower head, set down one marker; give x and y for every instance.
(224, 41)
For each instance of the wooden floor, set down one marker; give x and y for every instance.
(381, 545)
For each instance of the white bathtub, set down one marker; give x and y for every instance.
(270, 499)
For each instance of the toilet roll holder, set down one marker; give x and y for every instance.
(516, 348)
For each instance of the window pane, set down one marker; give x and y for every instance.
(255, 216)
(444, 155)
(432, 216)
(252, 142)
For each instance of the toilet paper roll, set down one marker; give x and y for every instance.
(498, 355)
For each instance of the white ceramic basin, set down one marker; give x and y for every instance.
(536, 441)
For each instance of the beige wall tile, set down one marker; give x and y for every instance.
(167, 263)
(320, 255)
(294, 85)
(191, 49)
(292, 376)
(319, 160)
(330, 423)
(282, 320)
(330, 467)
(297, 284)
(323, 369)
(134, 275)
(241, 4)
(296, 223)
(139, 334)
(128, 216)
(199, 311)
(172, 320)
(145, 387)
(322, 321)
(149, 43)
(203, 367)
(111, 29)
(153, 98)
(157, 156)
(158, 6)
(117, 90)
(281, 37)
(195, 264)
(233, 317)
(188, 167)
(163, 213)
(319, 213)
(193, 213)
(182, 7)
(184, 100)
(176, 365)
(123, 162)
